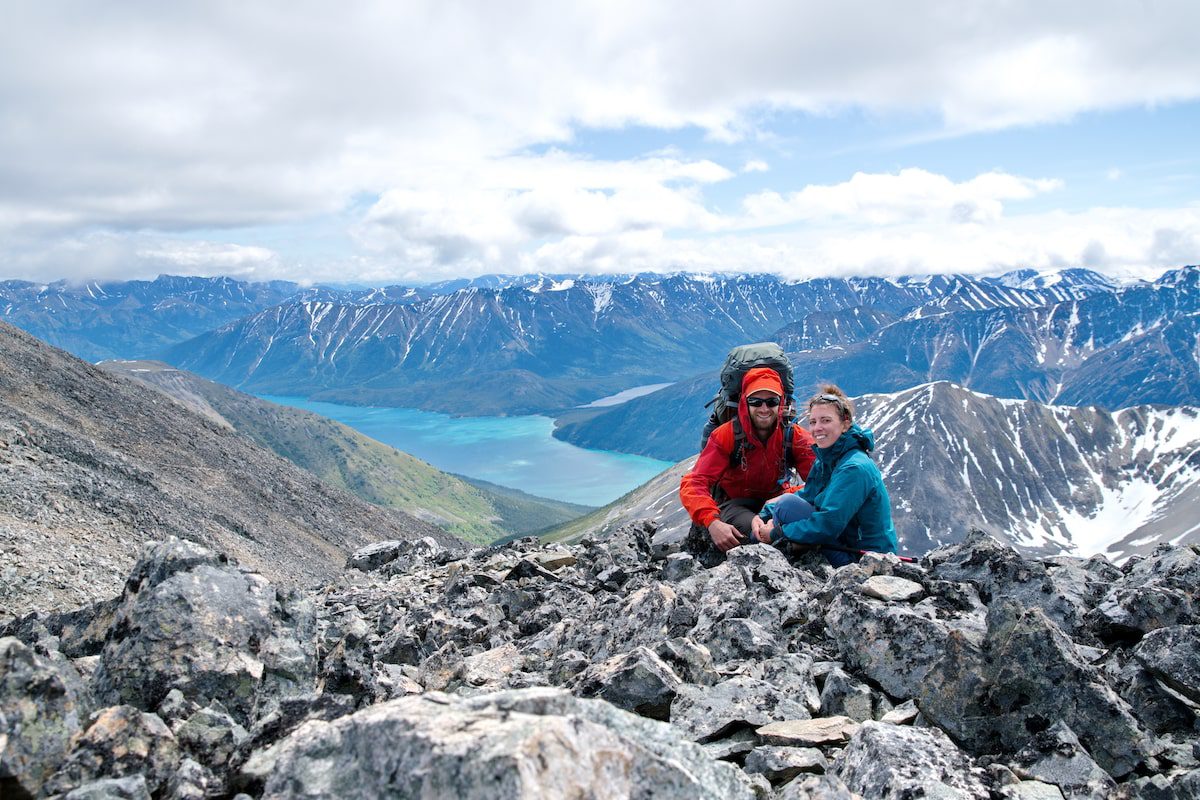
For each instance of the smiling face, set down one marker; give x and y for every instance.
(825, 423)
(763, 416)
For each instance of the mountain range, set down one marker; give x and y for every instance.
(543, 348)
(1130, 346)
(1046, 479)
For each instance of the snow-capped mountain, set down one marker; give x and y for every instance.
(548, 345)
(130, 319)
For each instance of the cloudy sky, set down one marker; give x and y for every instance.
(409, 141)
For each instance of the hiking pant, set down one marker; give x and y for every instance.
(793, 508)
(738, 512)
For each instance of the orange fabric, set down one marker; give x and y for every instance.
(758, 477)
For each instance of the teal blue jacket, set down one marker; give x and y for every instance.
(852, 507)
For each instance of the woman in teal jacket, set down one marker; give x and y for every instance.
(844, 505)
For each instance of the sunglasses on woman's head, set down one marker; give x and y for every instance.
(755, 402)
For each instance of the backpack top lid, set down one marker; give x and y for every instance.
(743, 358)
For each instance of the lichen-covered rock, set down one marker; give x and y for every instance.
(890, 761)
(121, 741)
(528, 743)
(844, 696)
(1026, 676)
(39, 715)
(1056, 757)
(782, 764)
(706, 713)
(1064, 591)
(211, 736)
(132, 787)
(188, 624)
(1173, 654)
(1155, 592)
(893, 644)
(637, 681)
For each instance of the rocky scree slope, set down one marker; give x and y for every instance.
(612, 670)
(92, 465)
(343, 457)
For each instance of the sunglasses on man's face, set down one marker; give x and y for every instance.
(755, 402)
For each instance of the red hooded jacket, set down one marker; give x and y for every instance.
(758, 476)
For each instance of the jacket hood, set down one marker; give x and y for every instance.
(760, 378)
(756, 380)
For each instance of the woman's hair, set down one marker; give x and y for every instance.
(830, 394)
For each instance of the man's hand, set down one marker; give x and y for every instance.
(762, 529)
(724, 535)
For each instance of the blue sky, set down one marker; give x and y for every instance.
(400, 142)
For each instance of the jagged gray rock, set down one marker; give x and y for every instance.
(1154, 592)
(637, 681)
(1056, 757)
(516, 744)
(262, 687)
(132, 787)
(1026, 676)
(121, 741)
(781, 764)
(706, 713)
(191, 625)
(1173, 654)
(890, 761)
(40, 712)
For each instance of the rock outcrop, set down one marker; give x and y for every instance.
(606, 670)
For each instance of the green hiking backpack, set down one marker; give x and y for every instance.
(740, 360)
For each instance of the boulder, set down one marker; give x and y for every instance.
(121, 741)
(1064, 591)
(706, 713)
(1056, 757)
(889, 761)
(524, 743)
(782, 764)
(189, 623)
(893, 644)
(637, 681)
(891, 589)
(1027, 676)
(132, 787)
(842, 695)
(1173, 655)
(39, 715)
(1155, 592)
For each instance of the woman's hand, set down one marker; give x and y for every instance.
(762, 529)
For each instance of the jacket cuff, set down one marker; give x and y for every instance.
(707, 519)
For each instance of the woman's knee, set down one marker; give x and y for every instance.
(791, 508)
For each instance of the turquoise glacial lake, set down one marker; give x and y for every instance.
(512, 451)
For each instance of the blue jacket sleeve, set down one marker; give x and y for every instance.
(849, 487)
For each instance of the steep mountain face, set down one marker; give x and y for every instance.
(1047, 479)
(539, 347)
(1139, 345)
(132, 319)
(92, 465)
(342, 457)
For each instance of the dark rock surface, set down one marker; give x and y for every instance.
(597, 670)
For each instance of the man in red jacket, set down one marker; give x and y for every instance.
(744, 480)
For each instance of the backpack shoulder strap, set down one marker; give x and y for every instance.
(737, 456)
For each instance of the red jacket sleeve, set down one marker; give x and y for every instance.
(802, 453)
(695, 488)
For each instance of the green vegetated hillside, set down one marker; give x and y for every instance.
(344, 457)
